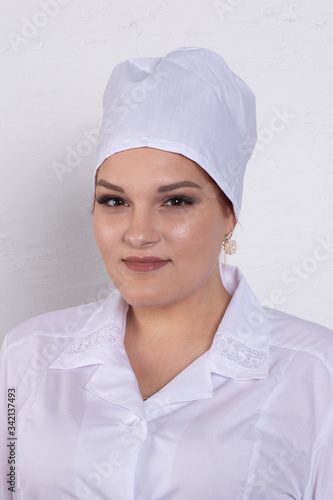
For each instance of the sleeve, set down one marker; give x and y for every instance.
(5, 450)
(320, 485)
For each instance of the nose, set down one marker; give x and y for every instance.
(141, 228)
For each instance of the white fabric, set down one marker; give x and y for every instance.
(188, 102)
(251, 418)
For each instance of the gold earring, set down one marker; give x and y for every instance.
(229, 245)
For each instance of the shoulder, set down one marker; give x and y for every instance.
(302, 337)
(61, 324)
(30, 347)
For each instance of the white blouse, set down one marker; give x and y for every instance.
(252, 418)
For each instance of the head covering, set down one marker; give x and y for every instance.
(188, 102)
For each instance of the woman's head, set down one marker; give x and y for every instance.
(154, 203)
(188, 102)
(182, 125)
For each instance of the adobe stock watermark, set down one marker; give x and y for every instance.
(298, 273)
(295, 276)
(121, 108)
(130, 442)
(39, 360)
(100, 471)
(287, 455)
(87, 486)
(93, 301)
(264, 477)
(74, 156)
(30, 28)
(279, 121)
(126, 101)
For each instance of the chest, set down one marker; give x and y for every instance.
(155, 367)
(89, 446)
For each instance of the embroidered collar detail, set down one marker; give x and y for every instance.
(104, 335)
(230, 348)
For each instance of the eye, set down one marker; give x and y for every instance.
(111, 201)
(181, 200)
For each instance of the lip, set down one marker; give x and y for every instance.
(148, 259)
(144, 264)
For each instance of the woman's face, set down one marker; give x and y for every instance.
(157, 204)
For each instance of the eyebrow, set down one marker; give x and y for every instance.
(161, 189)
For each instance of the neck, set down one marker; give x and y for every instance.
(194, 317)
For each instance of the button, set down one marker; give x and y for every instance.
(134, 424)
(138, 424)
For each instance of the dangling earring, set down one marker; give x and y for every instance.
(229, 245)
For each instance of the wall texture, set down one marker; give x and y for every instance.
(56, 56)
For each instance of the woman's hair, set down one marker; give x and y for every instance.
(224, 201)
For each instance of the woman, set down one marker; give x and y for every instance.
(179, 385)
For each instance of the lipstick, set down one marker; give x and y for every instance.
(144, 264)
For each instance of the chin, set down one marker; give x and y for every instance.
(143, 300)
(146, 297)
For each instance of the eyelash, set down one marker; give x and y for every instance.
(102, 200)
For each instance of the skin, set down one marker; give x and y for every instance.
(173, 311)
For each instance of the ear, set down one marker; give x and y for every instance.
(92, 210)
(232, 222)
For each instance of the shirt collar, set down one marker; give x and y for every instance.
(239, 350)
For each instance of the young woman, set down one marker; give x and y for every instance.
(180, 385)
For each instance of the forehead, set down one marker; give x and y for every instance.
(151, 164)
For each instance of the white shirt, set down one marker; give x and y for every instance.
(252, 418)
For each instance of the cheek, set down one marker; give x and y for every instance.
(104, 233)
(201, 232)
(97, 231)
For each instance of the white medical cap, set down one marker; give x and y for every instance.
(188, 102)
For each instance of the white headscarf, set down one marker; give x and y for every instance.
(188, 102)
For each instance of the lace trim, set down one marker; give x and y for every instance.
(108, 333)
(239, 353)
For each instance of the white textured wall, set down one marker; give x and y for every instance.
(54, 67)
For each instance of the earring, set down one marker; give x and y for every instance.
(229, 245)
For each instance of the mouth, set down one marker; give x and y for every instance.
(148, 259)
(144, 264)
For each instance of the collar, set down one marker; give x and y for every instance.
(239, 350)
